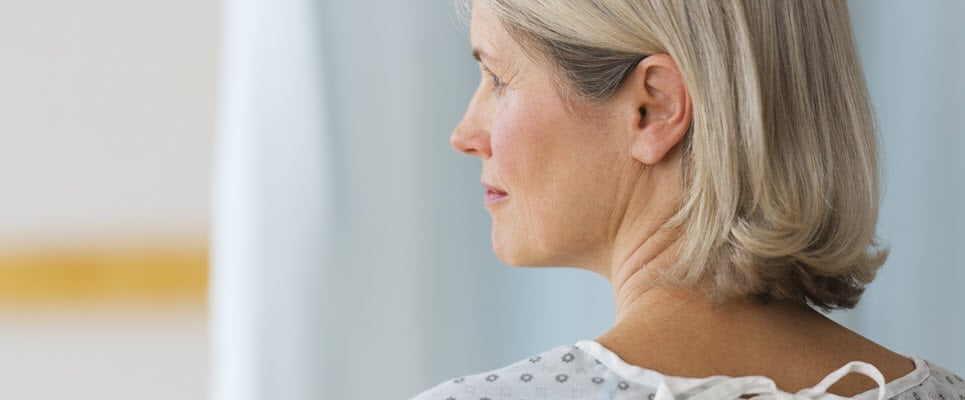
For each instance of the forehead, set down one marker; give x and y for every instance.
(496, 48)
(486, 33)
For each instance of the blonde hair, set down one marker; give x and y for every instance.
(780, 169)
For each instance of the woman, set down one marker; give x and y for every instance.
(716, 161)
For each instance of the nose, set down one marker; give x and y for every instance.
(471, 136)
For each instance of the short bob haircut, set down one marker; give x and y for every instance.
(780, 167)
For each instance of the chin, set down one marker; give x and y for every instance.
(507, 256)
(519, 256)
(510, 253)
(523, 253)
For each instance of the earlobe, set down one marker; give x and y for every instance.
(656, 88)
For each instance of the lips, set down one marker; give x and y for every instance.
(493, 194)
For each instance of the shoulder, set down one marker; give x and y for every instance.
(563, 372)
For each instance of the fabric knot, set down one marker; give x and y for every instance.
(762, 388)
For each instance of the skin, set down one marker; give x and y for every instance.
(590, 187)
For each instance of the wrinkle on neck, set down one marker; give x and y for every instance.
(636, 270)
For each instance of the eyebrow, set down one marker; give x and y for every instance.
(479, 54)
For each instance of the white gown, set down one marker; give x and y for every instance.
(588, 370)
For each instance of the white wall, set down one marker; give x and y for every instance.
(144, 353)
(106, 124)
(106, 118)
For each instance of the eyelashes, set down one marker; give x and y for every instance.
(498, 83)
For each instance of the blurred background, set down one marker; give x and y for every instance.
(257, 200)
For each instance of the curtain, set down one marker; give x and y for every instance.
(273, 239)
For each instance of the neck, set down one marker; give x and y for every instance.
(640, 247)
(685, 332)
(641, 250)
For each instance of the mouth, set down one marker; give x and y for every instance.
(494, 195)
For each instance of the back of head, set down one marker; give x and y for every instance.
(780, 182)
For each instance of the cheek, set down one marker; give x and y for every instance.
(519, 140)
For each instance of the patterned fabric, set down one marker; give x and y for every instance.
(590, 371)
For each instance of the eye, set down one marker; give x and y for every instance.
(498, 83)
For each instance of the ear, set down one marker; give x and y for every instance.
(661, 108)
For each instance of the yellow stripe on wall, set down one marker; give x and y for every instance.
(174, 273)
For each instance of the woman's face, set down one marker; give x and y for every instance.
(552, 178)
